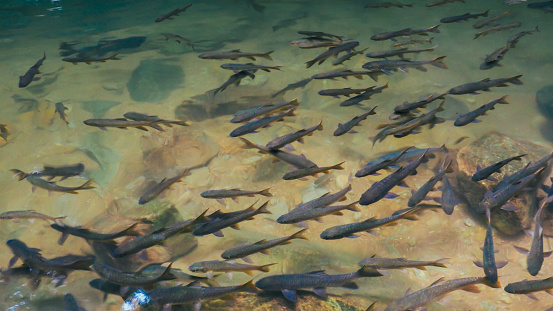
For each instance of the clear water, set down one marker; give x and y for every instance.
(173, 85)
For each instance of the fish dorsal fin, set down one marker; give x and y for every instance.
(193, 284)
(237, 50)
(438, 281)
(260, 242)
(485, 80)
(317, 272)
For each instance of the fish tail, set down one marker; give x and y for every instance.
(537, 29)
(368, 272)
(373, 75)
(58, 220)
(353, 207)
(435, 29)
(265, 268)
(438, 62)
(310, 63)
(87, 185)
(249, 144)
(200, 218)
(181, 123)
(299, 235)
(167, 275)
(265, 192)
(516, 80)
(485, 14)
(249, 287)
(519, 157)
(263, 209)
(338, 166)
(440, 263)
(488, 283)
(266, 55)
(20, 174)
(114, 57)
(131, 231)
(320, 126)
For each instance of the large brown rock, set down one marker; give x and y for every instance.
(488, 150)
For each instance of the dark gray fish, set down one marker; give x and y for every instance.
(464, 17)
(122, 123)
(318, 281)
(157, 237)
(234, 193)
(425, 118)
(420, 194)
(111, 288)
(315, 42)
(179, 39)
(471, 116)
(292, 86)
(483, 173)
(215, 226)
(332, 75)
(408, 155)
(387, 66)
(90, 235)
(514, 39)
(284, 140)
(262, 246)
(235, 54)
(302, 173)
(144, 117)
(356, 100)
(400, 263)
(350, 230)
(51, 186)
(70, 303)
(500, 197)
(398, 52)
(172, 14)
(489, 20)
(421, 298)
(448, 199)
(324, 200)
(441, 2)
(499, 27)
(528, 287)
(495, 57)
(530, 169)
(315, 213)
(381, 188)
(155, 190)
(488, 263)
(253, 126)
(540, 5)
(15, 216)
(227, 266)
(53, 171)
(421, 103)
(343, 92)
(412, 42)
(396, 128)
(405, 32)
(89, 59)
(288, 22)
(29, 76)
(234, 80)
(319, 34)
(60, 110)
(117, 276)
(298, 161)
(344, 47)
(345, 57)
(248, 114)
(256, 6)
(4, 132)
(386, 5)
(249, 67)
(384, 162)
(348, 126)
(484, 85)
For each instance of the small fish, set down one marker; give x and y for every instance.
(348, 126)
(315, 213)
(483, 173)
(343, 92)
(346, 46)
(530, 169)
(489, 264)
(249, 67)
(173, 13)
(500, 27)
(490, 20)
(410, 154)
(324, 200)
(356, 100)
(387, 66)
(253, 126)
(121, 123)
(29, 76)
(282, 141)
(528, 287)
(464, 17)
(429, 118)
(4, 132)
(340, 60)
(89, 59)
(302, 173)
(315, 42)
(396, 128)
(381, 188)
(500, 197)
(33, 259)
(413, 301)
(90, 235)
(155, 190)
(54, 171)
(448, 198)
(421, 194)
(493, 59)
(228, 266)
(179, 39)
(292, 86)
(400, 263)
(509, 2)
(117, 276)
(374, 166)
(397, 52)
(421, 103)
(234, 80)
(412, 42)
(484, 85)
(319, 34)
(70, 303)
(233, 194)
(300, 162)
(543, 5)
(15, 216)
(135, 116)
(471, 116)
(262, 246)
(51, 186)
(249, 114)
(332, 75)
(215, 225)
(60, 110)
(405, 32)
(441, 2)
(111, 288)
(514, 39)
(386, 5)
(235, 54)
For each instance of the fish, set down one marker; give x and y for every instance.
(179, 39)
(302, 173)
(299, 162)
(155, 238)
(464, 17)
(89, 59)
(381, 188)
(356, 100)
(499, 27)
(32, 258)
(348, 126)
(234, 80)
(122, 123)
(420, 195)
(350, 230)
(227, 266)
(471, 116)
(51, 186)
(319, 34)
(530, 169)
(412, 42)
(135, 116)
(343, 92)
(29, 76)
(448, 198)
(441, 2)
(344, 47)
(53, 171)
(387, 66)
(155, 190)
(340, 60)
(317, 281)
(117, 276)
(405, 32)
(512, 41)
(420, 103)
(288, 22)
(484, 85)
(397, 52)
(60, 110)
(172, 14)
(493, 59)
(262, 246)
(528, 287)
(540, 5)
(292, 86)
(425, 118)
(215, 226)
(102, 47)
(413, 301)
(86, 234)
(111, 288)
(70, 303)
(315, 213)
(332, 75)
(489, 264)
(483, 173)
(499, 198)
(315, 42)
(509, 2)
(249, 67)
(249, 114)
(373, 167)
(398, 128)
(410, 154)
(490, 20)
(4, 133)
(236, 54)
(324, 200)
(379, 263)
(386, 5)
(15, 216)
(284, 140)
(233, 194)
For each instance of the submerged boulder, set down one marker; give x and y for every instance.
(544, 99)
(153, 80)
(488, 150)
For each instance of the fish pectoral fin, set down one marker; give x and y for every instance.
(235, 227)
(321, 292)
(501, 264)
(472, 288)
(266, 251)
(531, 296)
(478, 263)
(350, 285)
(547, 254)
(218, 234)
(12, 262)
(62, 238)
(290, 294)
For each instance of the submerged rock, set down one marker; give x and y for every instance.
(153, 81)
(488, 150)
(544, 98)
